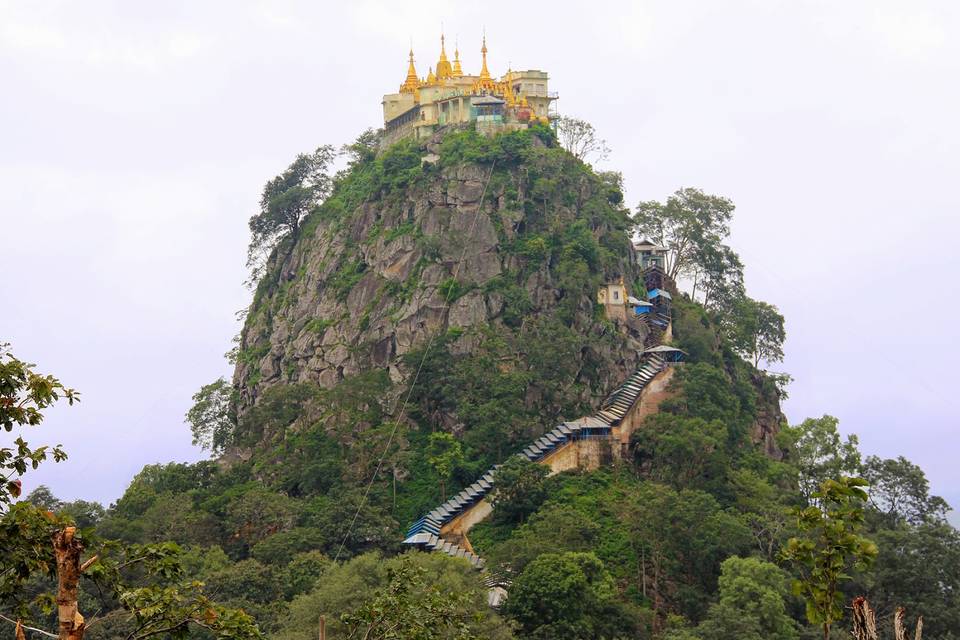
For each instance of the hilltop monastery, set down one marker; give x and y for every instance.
(449, 96)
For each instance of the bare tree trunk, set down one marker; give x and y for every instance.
(865, 622)
(68, 549)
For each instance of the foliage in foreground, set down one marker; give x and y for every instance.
(142, 590)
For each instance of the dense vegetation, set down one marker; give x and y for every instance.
(697, 535)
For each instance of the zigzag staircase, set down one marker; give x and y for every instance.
(425, 533)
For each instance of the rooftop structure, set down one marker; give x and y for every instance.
(649, 254)
(447, 96)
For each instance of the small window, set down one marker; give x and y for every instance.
(616, 295)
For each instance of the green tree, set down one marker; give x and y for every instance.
(566, 595)
(829, 545)
(286, 201)
(43, 497)
(817, 452)
(900, 493)
(918, 567)
(552, 529)
(580, 138)
(302, 572)
(353, 586)
(24, 394)
(682, 537)
(751, 604)
(444, 454)
(690, 224)
(718, 273)
(212, 418)
(259, 513)
(411, 607)
(680, 451)
(142, 586)
(756, 330)
(519, 489)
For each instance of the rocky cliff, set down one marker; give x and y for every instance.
(499, 240)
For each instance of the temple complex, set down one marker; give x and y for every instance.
(447, 96)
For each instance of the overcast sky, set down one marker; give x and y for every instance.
(135, 138)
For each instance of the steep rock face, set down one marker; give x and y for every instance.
(525, 232)
(770, 418)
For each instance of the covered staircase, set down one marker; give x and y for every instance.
(426, 533)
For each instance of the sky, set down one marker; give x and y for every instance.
(135, 139)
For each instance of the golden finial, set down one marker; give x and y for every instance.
(431, 79)
(457, 69)
(444, 70)
(410, 84)
(484, 72)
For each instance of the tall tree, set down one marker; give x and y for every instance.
(24, 394)
(519, 489)
(580, 138)
(212, 417)
(828, 547)
(566, 595)
(411, 607)
(752, 603)
(718, 274)
(444, 454)
(690, 224)
(285, 202)
(756, 330)
(818, 453)
(918, 567)
(900, 493)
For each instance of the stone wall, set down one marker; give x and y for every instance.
(655, 392)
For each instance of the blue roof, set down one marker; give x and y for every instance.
(659, 292)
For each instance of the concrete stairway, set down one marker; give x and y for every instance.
(425, 533)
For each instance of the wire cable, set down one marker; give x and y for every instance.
(416, 376)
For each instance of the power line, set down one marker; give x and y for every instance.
(423, 359)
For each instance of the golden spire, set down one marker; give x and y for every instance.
(444, 70)
(457, 69)
(484, 72)
(431, 79)
(410, 84)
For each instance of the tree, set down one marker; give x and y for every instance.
(363, 149)
(352, 587)
(42, 497)
(24, 394)
(690, 224)
(411, 607)
(580, 138)
(900, 493)
(818, 454)
(828, 547)
(552, 529)
(919, 568)
(718, 272)
(680, 451)
(259, 513)
(286, 201)
(212, 418)
(519, 489)
(40, 546)
(682, 536)
(566, 595)
(444, 454)
(756, 330)
(753, 592)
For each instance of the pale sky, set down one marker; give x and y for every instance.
(135, 138)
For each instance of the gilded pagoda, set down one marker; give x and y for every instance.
(448, 96)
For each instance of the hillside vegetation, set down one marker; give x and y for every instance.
(414, 323)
